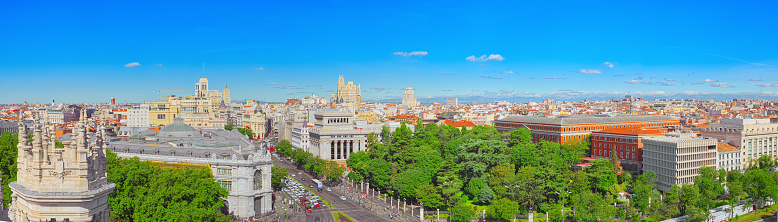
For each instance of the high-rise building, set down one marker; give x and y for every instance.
(67, 184)
(409, 99)
(677, 157)
(754, 137)
(347, 93)
(201, 88)
(452, 102)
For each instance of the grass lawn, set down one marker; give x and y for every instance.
(758, 215)
(340, 216)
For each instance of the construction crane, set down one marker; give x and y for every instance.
(160, 93)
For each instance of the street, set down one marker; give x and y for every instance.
(352, 210)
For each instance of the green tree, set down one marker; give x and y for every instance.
(462, 212)
(486, 195)
(354, 177)
(332, 171)
(277, 174)
(672, 202)
(406, 182)
(603, 175)
(527, 189)
(8, 168)
(503, 209)
(735, 191)
(477, 156)
(760, 186)
(500, 176)
(474, 186)
(228, 127)
(593, 207)
(145, 192)
(520, 136)
(709, 184)
(690, 198)
(579, 182)
(644, 187)
(428, 195)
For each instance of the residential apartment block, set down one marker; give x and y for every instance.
(628, 143)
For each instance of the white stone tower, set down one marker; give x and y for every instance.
(226, 95)
(61, 183)
(409, 99)
(201, 88)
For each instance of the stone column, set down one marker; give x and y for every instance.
(338, 149)
(421, 213)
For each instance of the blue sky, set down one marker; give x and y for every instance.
(78, 52)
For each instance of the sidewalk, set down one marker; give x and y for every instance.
(376, 205)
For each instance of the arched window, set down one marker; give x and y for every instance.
(257, 180)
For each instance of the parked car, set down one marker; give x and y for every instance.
(328, 189)
(342, 197)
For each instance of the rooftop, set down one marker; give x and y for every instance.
(725, 147)
(587, 119)
(635, 131)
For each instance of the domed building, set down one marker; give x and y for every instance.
(178, 129)
(236, 163)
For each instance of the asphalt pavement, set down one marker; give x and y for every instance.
(325, 215)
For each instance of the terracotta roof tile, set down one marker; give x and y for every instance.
(725, 147)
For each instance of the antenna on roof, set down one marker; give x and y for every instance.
(203, 70)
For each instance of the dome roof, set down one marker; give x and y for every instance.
(178, 129)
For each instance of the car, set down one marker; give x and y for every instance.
(328, 189)
(342, 197)
(308, 211)
(303, 179)
(318, 206)
(294, 175)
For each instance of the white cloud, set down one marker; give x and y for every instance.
(768, 85)
(132, 64)
(414, 53)
(492, 57)
(609, 64)
(507, 72)
(590, 71)
(260, 68)
(617, 75)
(720, 84)
(378, 89)
(663, 84)
(697, 83)
(670, 80)
(552, 78)
(490, 77)
(709, 80)
(272, 84)
(633, 82)
(755, 80)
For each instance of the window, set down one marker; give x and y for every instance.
(224, 171)
(160, 116)
(227, 184)
(257, 180)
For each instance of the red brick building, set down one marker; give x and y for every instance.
(627, 142)
(562, 129)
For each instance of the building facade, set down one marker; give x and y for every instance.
(729, 158)
(563, 129)
(452, 102)
(628, 143)
(754, 137)
(301, 137)
(67, 184)
(347, 94)
(335, 135)
(138, 117)
(409, 99)
(237, 164)
(677, 157)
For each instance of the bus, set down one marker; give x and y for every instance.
(316, 183)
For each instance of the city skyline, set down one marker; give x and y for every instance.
(277, 51)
